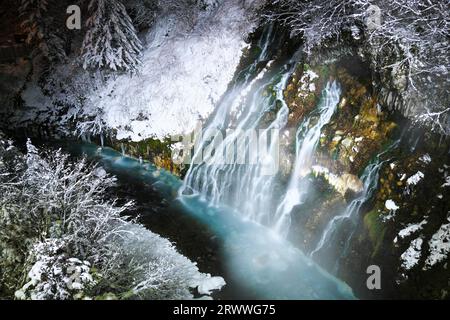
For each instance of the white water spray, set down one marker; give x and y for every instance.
(307, 139)
(370, 178)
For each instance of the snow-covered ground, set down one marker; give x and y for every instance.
(184, 73)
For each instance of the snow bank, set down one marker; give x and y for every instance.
(411, 228)
(411, 256)
(184, 74)
(169, 274)
(439, 246)
(210, 284)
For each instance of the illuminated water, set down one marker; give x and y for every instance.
(254, 256)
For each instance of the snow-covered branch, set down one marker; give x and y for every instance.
(407, 38)
(61, 239)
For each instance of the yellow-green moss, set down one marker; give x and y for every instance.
(363, 129)
(376, 230)
(157, 151)
(299, 101)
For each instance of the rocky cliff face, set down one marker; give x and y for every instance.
(402, 223)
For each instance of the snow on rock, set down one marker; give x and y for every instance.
(391, 206)
(447, 182)
(210, 284)
(411, 229)
(341, 183)
(308, 85)
(411, 256)
(439, 246)
(184, 73)
(414, 179)
(425, 158)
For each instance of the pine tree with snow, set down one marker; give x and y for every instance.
(41, 30)
(111, 41)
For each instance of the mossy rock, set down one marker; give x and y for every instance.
(159, 152)
(363, 128)
(298, 96)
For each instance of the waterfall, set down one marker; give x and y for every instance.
(246, 187)
(370, 181)
(240, 170)
(241, 179)
(241, 173)
(370, 178)
(236, 156)
(307, 139)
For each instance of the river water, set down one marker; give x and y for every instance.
(254, 260)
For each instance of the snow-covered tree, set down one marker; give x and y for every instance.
(61, 239)
(55, 276)
(111, 41)
(410, 42)
(41, 28)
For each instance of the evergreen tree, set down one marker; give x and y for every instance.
(111, 41)
(42, 29)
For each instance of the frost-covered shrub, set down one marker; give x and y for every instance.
(12, 248)
(60, 238)
(54, 275)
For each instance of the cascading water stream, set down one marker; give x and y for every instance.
(307, 139)
(264, 265)
(241, 171)
(240, 179)
(369, 178)
(246, 180)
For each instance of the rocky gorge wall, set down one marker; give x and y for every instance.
(403, 225)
